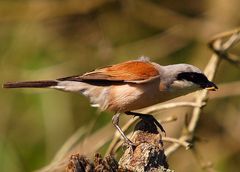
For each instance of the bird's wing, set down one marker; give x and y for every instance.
(136, 71)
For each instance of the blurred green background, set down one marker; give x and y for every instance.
(42, 39)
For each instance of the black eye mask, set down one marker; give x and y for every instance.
(197, 78)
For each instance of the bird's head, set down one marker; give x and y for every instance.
(188, 77)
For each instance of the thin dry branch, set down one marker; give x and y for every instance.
(220, 48)
(112, 148)
(200, 97)
(185, 144)
(121, 142)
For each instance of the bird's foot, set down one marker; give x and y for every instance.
(148, 118)
(153, 120)
(129, 145)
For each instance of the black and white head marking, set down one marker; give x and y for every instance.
(196, 78)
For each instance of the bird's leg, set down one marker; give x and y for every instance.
(147, 117)
(115, 121)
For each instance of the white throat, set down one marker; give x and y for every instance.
(183, 86)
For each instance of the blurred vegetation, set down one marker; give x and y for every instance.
(42, 39)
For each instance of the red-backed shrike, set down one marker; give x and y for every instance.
(128, 86)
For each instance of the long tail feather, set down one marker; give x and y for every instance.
(30, 84)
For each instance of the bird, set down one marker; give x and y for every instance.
(128, 86)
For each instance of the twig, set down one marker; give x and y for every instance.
(69, 143)
(185, 144)
(120, 142)
(221, 48)
(218, 46)
(150, 110)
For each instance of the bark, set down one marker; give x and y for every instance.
(147, 155)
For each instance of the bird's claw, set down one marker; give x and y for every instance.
(129, 143)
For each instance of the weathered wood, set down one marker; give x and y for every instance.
(147, 155)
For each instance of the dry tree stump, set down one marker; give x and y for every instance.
(147, 155)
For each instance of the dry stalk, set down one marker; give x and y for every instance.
(221, 52)
(114, 145)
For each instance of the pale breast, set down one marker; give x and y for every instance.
(130, 97)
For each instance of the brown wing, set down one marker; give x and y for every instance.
(131, 71)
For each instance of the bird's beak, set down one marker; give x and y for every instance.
(210, 86)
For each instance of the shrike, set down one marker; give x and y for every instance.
(128, 86)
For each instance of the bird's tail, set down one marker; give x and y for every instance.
(31, 84)
(96, 94)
